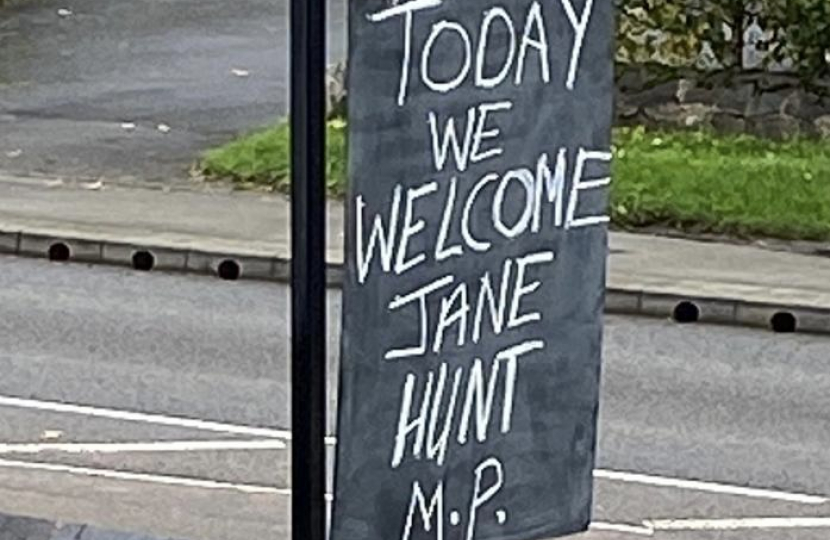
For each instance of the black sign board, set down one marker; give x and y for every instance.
(479, 158)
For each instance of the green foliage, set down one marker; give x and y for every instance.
(674, 33)
(264, 159)
(737, 185)
(801, 32)
(693, 181)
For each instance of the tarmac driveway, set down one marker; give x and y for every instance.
(76, 75)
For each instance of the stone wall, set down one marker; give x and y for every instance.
(771, 105)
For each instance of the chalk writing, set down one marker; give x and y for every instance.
(390, 237)
(459, 249)
(533, 38)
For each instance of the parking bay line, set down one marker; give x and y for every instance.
(148, 418)
(640, 530)
(648, 528)
(144, 418)
(736, 524)
(708, 487)
(221, 427)
(142, 447)
(142, 477)
(178, 481)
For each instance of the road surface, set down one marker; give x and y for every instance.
(207, 69)
(176, 389)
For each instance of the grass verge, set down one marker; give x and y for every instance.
(737, 185)
(691, 181)
(263, 159)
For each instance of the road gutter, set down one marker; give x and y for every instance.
(195, 259)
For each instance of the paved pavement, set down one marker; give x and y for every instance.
(67, 83)
(193, 371)
(211, 218)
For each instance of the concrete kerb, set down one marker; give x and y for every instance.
(230, 266)
(685, 309)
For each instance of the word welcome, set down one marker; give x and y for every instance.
(389, 237)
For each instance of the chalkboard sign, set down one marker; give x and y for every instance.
(479, 160)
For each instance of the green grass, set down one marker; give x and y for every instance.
(690, 181)
(263, 159)
(736, 185)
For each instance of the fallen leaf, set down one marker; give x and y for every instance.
(240, 72)
(93, 186)
(63, 12)
(51, 435)
(337, 123)
(164, 128)
(14, 153)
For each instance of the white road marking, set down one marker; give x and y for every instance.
(142, 477)
(285, 435)
(709, 487)
(739, 524)
(153, 446)
(640, 530)
(145, 418)
(648, 528)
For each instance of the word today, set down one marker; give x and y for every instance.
(525, 38)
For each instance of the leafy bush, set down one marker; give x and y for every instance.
(263, 158)
(801, 32)
(677, 33)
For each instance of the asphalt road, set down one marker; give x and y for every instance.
(119, 358)
(67, 83)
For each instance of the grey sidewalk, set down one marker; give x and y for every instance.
(648, 274)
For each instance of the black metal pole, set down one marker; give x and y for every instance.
(308, 287)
